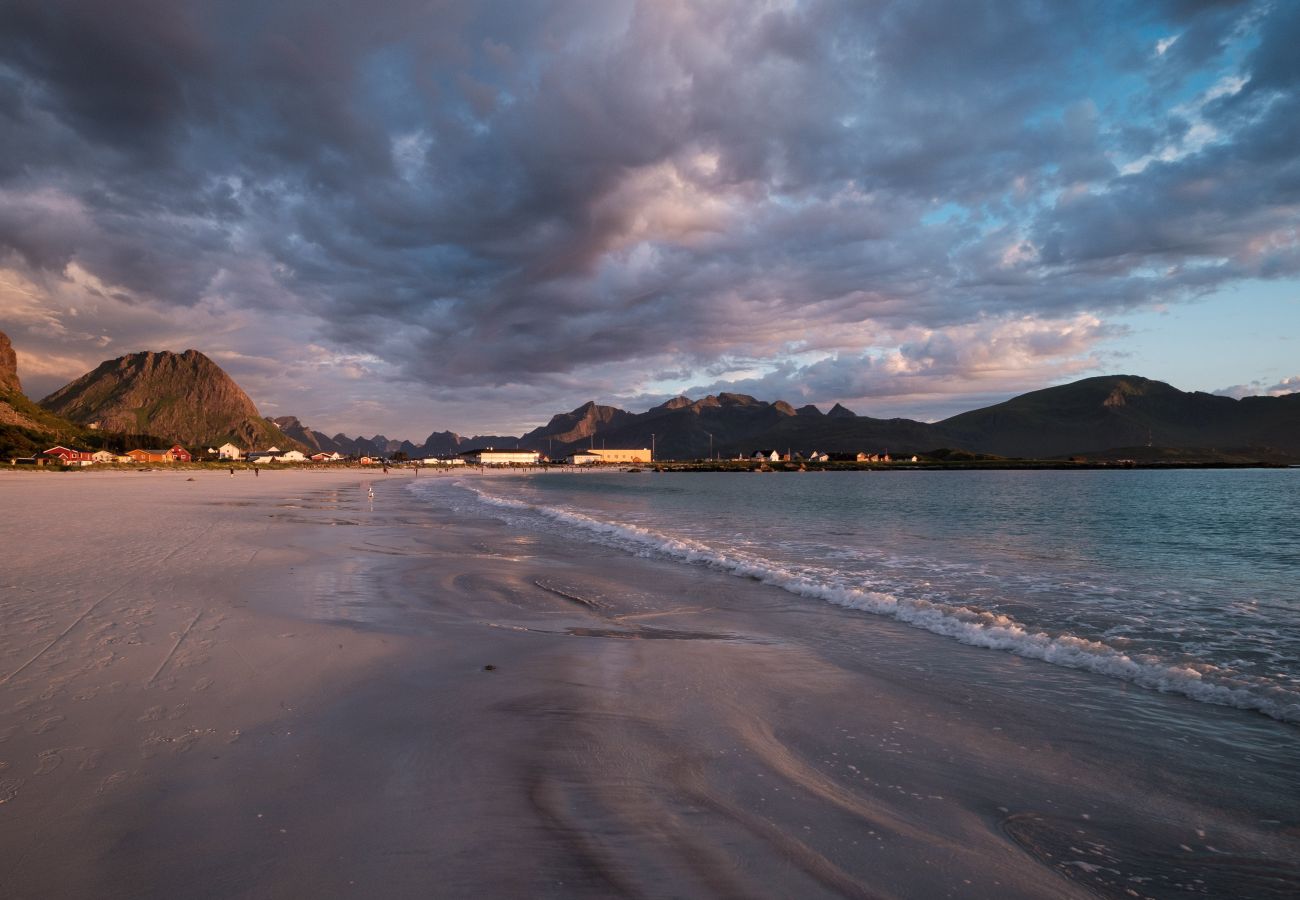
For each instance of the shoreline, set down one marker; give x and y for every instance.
(281, 689)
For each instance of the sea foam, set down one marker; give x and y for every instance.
(1203, 682)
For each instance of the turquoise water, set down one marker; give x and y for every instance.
(1180, 581)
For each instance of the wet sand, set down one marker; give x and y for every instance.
(276, 687)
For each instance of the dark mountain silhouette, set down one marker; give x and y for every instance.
(1089, 416)
(680, 428)
(439, 443)
(568, 429)
(1096, 414)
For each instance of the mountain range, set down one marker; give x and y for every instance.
(187, 397)
(1094, 415)
(1112, 414)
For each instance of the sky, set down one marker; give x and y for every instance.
(410, 217)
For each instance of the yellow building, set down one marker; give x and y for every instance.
(604, 455)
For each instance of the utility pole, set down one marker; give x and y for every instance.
(710, 434)
(652, 445)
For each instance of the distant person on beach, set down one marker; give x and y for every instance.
(257, 473)
(385, 468)
(232, 471)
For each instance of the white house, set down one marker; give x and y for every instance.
(229, 451)
(326, 457)
(438, 461)
(103, 456)
(292, 456)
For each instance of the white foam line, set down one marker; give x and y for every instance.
(1208, 684)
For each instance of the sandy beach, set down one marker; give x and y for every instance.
(278, 687)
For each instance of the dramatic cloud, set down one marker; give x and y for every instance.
(1289, 385)
(469, 215)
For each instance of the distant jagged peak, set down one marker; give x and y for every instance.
(678, 402)
(809, 410)
(729, 399)
(591, 410)
(784, 408)
(839, 411)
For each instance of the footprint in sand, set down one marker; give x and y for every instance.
(202, 684)
(91, 760)
(7, 732)
(183, 743)
(178, 711)
(150, 746)
(152, 714)
(47, 761)
(9, 788)
(111, 781)
(47, 725)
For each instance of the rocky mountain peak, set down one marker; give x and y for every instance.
(182, 397)
(728, 399)
(8, 366)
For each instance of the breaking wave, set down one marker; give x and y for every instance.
(1201, 681)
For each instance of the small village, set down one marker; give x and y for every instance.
(228, 453)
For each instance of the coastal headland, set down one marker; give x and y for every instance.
(275, 686)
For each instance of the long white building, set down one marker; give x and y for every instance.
(493, 457)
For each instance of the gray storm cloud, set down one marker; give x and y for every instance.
(546, 201)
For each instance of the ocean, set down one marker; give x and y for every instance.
(1184, 581)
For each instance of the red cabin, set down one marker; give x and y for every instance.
(68, 455)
